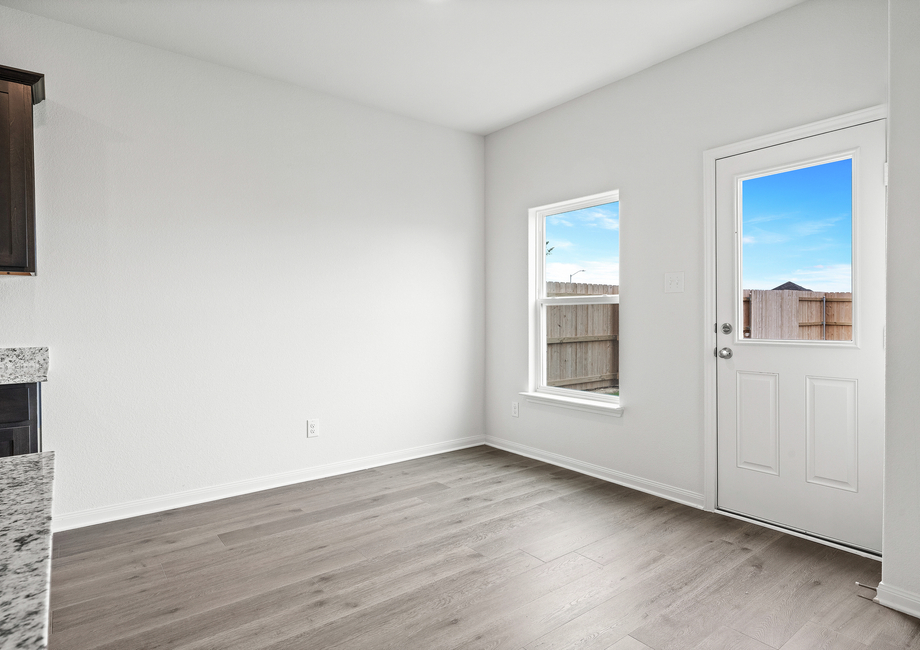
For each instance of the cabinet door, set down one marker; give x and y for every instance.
(15, 441)
(19, 419)
(17, 179)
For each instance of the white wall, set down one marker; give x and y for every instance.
(221, 256)
(646, 136)
(901, 569)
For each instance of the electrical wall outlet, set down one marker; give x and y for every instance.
(312, 428)
(514, 409)
(674, 282)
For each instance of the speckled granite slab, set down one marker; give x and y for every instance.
(25, 549)
(23, 365)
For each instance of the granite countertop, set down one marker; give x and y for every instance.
(23, 365)
(25, 549)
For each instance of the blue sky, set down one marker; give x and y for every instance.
(586, 239)
(797, 226)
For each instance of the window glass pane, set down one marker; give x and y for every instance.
(583, 248)
(582, 348)
(582, 256)
(797, 253)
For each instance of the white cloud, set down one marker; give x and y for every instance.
(831, 277)
(764, 218)
(806, 228)
(599, 219)
(759, 236)
(830, 243)
(595, 272)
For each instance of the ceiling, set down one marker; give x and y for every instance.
(473, 65)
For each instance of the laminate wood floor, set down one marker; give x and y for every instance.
(471, 549)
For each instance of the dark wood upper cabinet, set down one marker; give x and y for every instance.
(19, 90)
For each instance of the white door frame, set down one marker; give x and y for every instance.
(710, 156)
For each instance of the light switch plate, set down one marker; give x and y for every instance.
(674, 282)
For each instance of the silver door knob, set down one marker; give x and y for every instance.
(725, 353)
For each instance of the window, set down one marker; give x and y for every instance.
(575, 303)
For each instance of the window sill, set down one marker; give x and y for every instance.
(587, 405)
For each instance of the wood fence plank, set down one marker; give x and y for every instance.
(578, 380)
(798, 315)
(582, 340)
(790, 315)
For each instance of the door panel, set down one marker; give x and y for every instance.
(831, 432)
(801, 279)
(758, 422)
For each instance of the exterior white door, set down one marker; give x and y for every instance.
(800, 302)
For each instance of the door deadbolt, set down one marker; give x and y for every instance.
(725, 353)
(726, 328)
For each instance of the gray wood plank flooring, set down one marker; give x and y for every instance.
(474, 549)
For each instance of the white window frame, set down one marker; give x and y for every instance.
(538, 391)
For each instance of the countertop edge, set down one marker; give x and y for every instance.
(28, 365)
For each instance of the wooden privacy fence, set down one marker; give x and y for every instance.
(582, 341)
(798, 315)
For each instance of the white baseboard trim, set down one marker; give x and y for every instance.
(694, 499)
(150, 505)
(899, 599)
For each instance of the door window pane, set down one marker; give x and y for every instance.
(797, 253)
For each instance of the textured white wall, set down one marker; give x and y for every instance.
(901, 569)
(221, 256)
(646, 136)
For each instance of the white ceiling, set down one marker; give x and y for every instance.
(474, 65)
